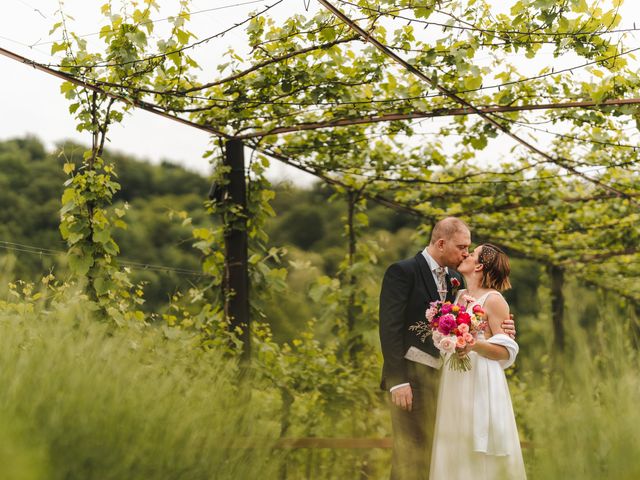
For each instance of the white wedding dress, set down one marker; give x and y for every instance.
(476, 437)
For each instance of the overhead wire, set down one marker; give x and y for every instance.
(140, 266)
(489, 119)
(425, 96)
(335, 146)
(393, 14)
(33, 8)
(147, 22)
(463, 180)
(481, 88)
(165, 54)
(635, 148)
(576, 227)
(135, 102)
(394, 100)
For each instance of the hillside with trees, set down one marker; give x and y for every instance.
(309, 225)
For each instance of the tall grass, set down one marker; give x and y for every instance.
(79, 400)
(82, 400)
(579, 409)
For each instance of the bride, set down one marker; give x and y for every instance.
(476, 435)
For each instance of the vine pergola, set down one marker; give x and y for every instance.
(340, 97)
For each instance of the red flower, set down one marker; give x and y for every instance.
(455, 283)
(464, 317)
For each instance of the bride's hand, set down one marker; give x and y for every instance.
(462, 352)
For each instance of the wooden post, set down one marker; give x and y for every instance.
(352, 199)
(557, 306)
(354, 342)
(236, 283)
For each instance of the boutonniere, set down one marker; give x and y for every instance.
(455, 285)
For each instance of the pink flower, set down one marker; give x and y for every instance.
(446, 323)
(446, 307)
(437, 337)
(460, 342)
(477, 309)
(463, 328)
(468, 298)
(431, 312)
(469, 338)
(447, 345)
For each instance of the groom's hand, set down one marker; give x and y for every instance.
(402, 397)
(509, 327)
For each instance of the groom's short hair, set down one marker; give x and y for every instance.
(446, 228)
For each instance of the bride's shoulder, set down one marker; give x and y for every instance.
(495, 301)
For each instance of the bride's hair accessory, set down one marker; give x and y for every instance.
(489, 253)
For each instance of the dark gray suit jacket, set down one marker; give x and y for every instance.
(407, 289)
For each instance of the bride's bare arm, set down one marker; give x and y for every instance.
(497, 309)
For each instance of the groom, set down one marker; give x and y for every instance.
(410, 366)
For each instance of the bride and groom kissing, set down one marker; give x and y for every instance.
(449, 424)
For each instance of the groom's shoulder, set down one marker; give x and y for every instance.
(406, 265)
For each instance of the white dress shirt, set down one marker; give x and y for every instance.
(433, 265)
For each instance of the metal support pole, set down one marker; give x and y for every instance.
(236, 284)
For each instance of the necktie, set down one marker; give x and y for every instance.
(442, 283)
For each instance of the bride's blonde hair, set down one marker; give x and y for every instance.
(495, 268)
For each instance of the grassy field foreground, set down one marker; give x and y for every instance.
(79, 400)
(82, 400)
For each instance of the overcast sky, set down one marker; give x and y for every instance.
(31, 103)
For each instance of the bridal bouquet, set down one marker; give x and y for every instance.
(451, 327)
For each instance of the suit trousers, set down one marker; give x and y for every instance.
(413, 431)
